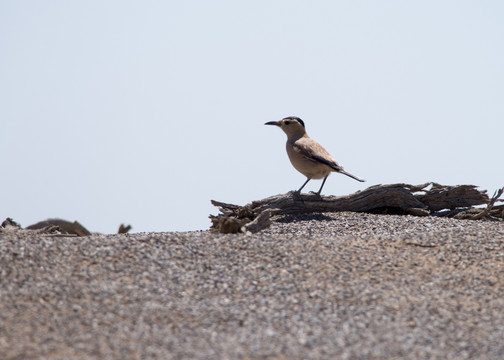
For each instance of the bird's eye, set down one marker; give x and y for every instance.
(287, 123)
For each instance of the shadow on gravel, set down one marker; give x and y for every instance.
(304, 217)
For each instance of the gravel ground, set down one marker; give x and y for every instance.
(338, 286)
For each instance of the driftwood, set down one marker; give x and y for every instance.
(64, 226)
(491, 211)
(53, 227)
(9, 226)
(420, 200)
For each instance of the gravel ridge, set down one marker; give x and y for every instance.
(336, 285)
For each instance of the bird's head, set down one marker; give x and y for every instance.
(291, 125)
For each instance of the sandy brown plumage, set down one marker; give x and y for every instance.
(306, 155)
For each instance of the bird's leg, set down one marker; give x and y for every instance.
(302, 186)
(320, 190)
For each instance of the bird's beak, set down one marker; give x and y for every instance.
(277, 123)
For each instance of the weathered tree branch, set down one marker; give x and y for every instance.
(421, 200)
(491, 211)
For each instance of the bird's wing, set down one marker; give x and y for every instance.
(312, 150)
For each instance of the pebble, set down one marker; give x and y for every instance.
(336, 285)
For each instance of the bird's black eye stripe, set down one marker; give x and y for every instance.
(287, 123)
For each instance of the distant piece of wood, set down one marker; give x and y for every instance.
(66, 227)
(420, 200)
(53, 227)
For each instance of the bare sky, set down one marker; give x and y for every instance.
(141, 112)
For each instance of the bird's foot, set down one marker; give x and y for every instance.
(296, 194)
(317, 194)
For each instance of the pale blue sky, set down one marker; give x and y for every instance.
(142, 111)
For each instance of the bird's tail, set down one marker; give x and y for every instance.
(351, 175)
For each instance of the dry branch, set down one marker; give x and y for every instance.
(490, 205)
(421, 200)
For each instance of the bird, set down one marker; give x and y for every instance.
(306, 155)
